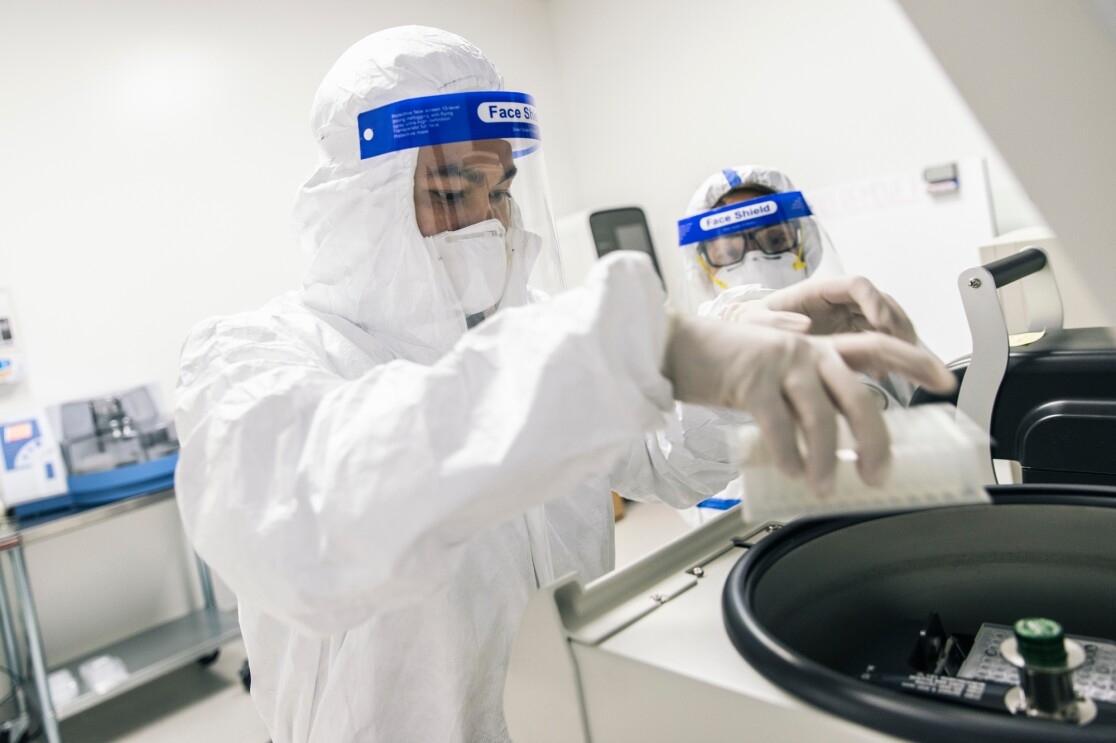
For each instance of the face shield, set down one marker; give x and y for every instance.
(769, 242)
(481, 203)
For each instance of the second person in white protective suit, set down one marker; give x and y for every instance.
(749, 233)
(387, 463)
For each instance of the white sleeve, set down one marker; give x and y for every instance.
(686, 461)
(325, 500)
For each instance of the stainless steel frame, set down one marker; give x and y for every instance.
(147, 655)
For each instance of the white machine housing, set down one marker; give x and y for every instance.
(1079, 307)
(33, 468)
(642, 655)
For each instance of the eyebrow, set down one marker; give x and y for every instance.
(472, 175)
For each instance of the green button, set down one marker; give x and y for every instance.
(1040, 642)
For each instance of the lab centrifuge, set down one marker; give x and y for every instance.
(884, 626)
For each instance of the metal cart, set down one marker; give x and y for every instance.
(195, 637)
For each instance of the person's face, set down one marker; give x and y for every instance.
(729, 249)
(460, 184)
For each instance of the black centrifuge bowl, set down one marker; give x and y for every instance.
(813, 603)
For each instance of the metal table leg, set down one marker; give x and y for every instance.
(11, 650)
(206, 584)
(35, 646)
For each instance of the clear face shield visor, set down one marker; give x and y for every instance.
(772, 241)
(481, 198)
(727, 250)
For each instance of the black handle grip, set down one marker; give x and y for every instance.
(1024, 263)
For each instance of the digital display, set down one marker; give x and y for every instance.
(633, 237)
(18, 432)
(624, 228)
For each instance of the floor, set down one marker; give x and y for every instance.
(210, 704)
(644, 528)
(192, 704)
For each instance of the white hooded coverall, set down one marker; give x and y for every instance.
(383, 490)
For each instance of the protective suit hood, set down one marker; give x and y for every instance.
(740, 176)
(356, 217)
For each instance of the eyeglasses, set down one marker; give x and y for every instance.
(729, 250)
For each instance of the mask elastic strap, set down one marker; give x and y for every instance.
(509, 253)
(799, 262)
(716, 282)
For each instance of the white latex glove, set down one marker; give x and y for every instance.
(842, 304)
(794, 385)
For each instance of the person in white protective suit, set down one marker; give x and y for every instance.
(385, 465)
(748, 232)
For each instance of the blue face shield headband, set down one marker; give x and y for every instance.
(764, 211)
(455, 117)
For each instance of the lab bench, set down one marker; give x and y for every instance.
(197, 636)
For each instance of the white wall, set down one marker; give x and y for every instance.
(661, 95)
(150, 154)
(1044, 85)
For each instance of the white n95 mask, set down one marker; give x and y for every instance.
(523, 250)
(769, 271)
(476, 261)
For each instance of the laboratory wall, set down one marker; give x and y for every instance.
(1044, 87)
(659, 97)
(150, 153)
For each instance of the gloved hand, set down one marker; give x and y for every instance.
(795, 385)
(842, 304)
(755, 312)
